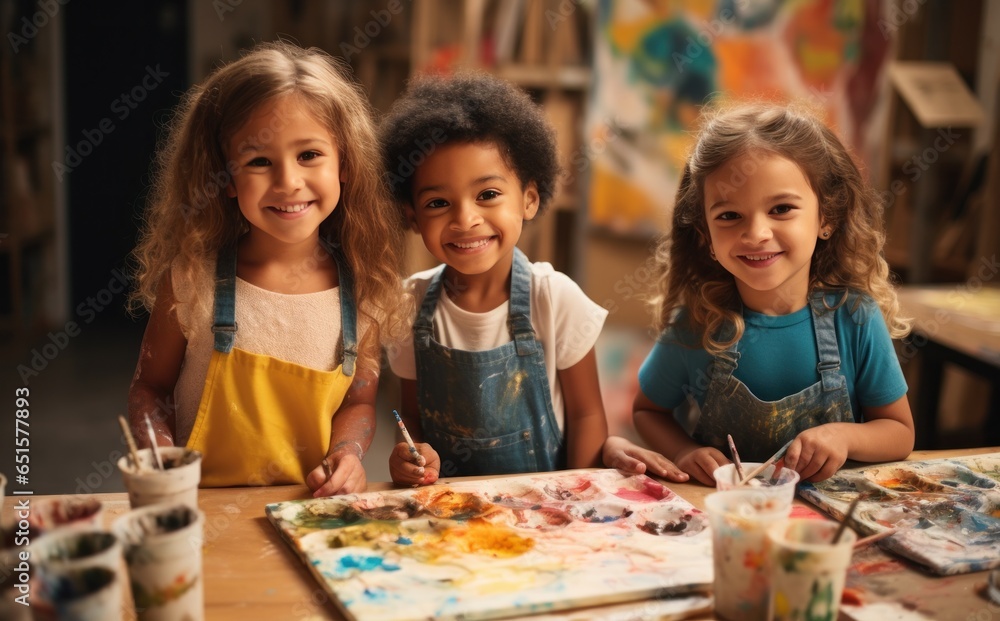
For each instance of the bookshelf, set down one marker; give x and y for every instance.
(28, 240)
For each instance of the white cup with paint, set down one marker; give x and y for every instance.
(740, 551)
(79, 569)
(177, 482)
(163, 553)
(782, 487)
(83, 594)
(809, 568)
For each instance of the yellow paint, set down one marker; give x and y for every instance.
(364, 535)
(480, 537)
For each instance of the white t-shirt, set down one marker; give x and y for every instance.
(566, 322)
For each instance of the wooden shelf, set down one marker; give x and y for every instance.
(542, 77)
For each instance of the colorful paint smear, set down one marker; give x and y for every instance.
(946, 511)
(496, 548)
(658, 62)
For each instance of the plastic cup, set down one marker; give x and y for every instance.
(809, 569)
(784, 487)
(176, 483)
(163, 553)
(83, 594)
(72, 512)
(73, 565)
(740, 550)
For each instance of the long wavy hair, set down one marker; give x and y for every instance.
(851, 260)
(189, 217)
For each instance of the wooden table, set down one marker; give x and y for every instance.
(952, 325)
(250, 573)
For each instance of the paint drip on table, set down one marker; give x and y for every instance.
(493, 548)
(946, 511)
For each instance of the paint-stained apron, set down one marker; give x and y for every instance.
(262, 420)
(760, 428)
(487, 412)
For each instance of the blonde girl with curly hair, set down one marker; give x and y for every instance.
(270, 263)
(774, 305)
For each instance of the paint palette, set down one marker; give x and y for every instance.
(946, 511)
(501, 547)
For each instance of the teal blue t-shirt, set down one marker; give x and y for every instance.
(778, 357)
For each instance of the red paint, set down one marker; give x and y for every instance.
(651, 492)
(877, 567)
(851, 597)
(631, 494)
(801, 511)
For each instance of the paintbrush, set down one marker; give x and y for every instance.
(847, 518)
(417, 457)
(152, 444)
(763, 466)
(133, 450)
(736, 457)
(861, 543)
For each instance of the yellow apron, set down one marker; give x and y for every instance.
(261, 420)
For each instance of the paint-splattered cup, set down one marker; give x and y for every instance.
(73, 564)
(72, 512)
(84, 594)
(177, 482)
(782, 487)
(741, 551)
(809, 569)
(163, 552)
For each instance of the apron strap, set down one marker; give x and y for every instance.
(423, 325)
(725, 362)
(348, 310)
(826, 344)
(519, 315)
(224, 324)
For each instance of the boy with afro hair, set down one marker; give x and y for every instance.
(500, 376)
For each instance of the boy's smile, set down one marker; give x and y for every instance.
(469, 207)
(764, 222)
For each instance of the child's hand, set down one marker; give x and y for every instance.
(817, 453)
(404, 471)
(701, 462)
(347, 476)
(626, 456)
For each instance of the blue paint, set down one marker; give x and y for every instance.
(376, 596)
(364, 563)
(404, 541)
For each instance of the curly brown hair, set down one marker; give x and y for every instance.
(469, 107)
(851, 260)
(190, 217)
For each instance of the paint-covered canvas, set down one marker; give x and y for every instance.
(946, 511)
(657, 63)
(501, 547)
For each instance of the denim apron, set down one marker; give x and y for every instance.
(262, 420)
(760, 428)
(487, 412)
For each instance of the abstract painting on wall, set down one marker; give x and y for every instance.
(501, 547)
(946, 512)
(657, 63)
